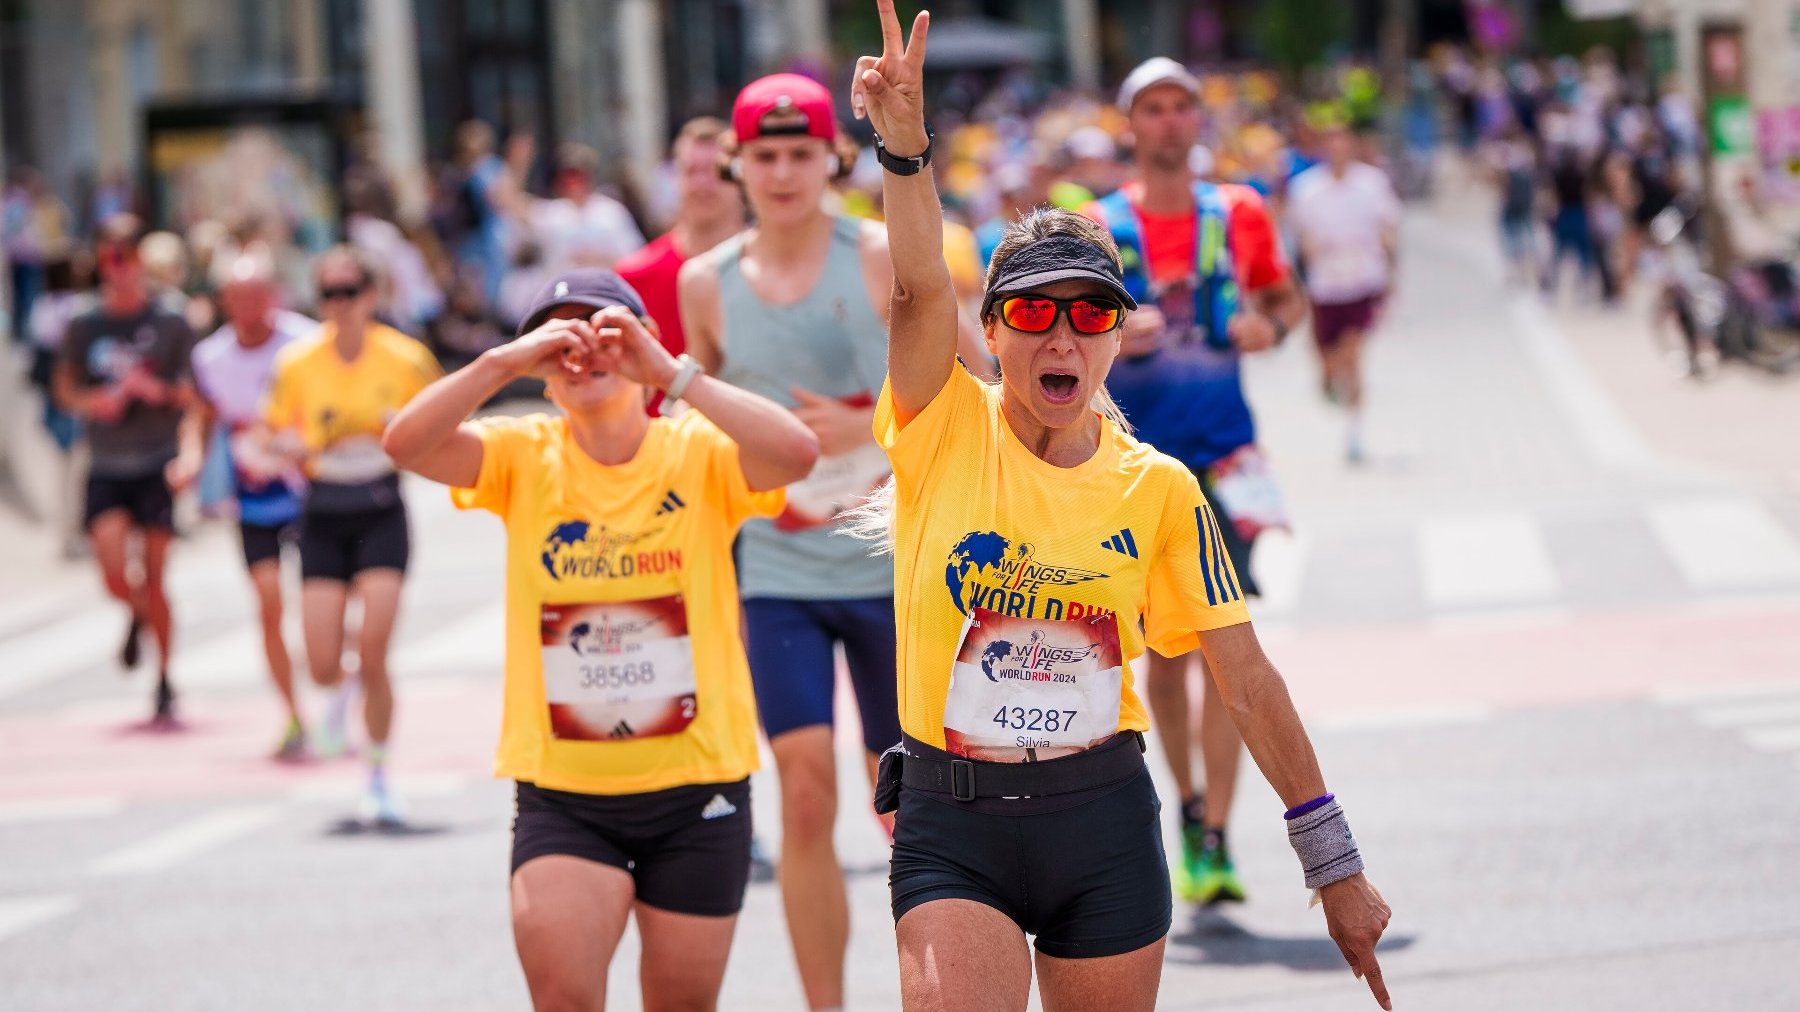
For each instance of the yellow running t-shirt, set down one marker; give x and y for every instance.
(625, 669)
(1020, 586)
(338, 408)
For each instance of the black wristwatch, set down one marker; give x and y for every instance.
(900, 165)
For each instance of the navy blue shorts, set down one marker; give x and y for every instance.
(792, 667)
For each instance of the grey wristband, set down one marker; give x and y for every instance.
(690, 368)
(1327, 851)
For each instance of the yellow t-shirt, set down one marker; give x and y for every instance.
(1024, 578)
(625, 668)
(338, 408)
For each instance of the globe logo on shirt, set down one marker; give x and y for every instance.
(564, 537)
(997, 651)
(977, 552)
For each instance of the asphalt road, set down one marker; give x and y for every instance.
(1552, 669)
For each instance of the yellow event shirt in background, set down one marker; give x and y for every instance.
(981, 521)
(329, 401)
(679, 502)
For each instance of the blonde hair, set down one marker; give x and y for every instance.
(873, 519)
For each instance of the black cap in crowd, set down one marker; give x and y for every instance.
(596, 287)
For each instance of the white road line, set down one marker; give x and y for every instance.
(1494, 559)
(58, 810)
(1773, 712)
(47, 654)
(474, 641)
(1279, 565)
(1725, 692)
(1774, 739)
(23, 913)
(1726, 544)
(1603, 429)
(187, 840)
(1450, 714)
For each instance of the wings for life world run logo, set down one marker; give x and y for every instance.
(987, 570)
(578, 550)
(1034, 660)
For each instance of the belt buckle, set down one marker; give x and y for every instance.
(962, 780)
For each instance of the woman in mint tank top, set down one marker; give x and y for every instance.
(795, 309)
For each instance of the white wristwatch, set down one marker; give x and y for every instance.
(690, 368)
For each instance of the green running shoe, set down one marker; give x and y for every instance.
(1189, 870)
(1216, 880)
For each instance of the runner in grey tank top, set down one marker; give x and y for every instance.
(831, 343)
(795, 310)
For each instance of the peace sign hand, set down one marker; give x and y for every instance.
(889, 90)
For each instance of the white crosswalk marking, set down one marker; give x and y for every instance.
(1497, 559)
(1726, 544)
(1774, 739)
(58, 809)
(23, 913)
(187, 840)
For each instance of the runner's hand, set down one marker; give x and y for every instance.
(109, 406)
(1356, 915)
(559, 346)
(1251, 331)
(181, 472)
(1143, 332)
(840, 428)
(889, 90)
(630, 348)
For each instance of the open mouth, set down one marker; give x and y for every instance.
(1058, 387)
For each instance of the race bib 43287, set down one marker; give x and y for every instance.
(1024, 689)
(618, 670)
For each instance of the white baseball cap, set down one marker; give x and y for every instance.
(1156, 70)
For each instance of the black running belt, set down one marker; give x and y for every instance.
(965, 780)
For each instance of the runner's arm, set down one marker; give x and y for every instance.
(775, 448)
(922, 325)
(430, 436)
(697, 295)
(1257, 697)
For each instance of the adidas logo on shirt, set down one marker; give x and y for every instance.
(718, 808)
(671, 502)
(1122, 542)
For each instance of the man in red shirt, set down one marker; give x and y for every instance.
(1203, 263)
(710, 210)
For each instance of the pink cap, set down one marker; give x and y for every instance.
(802, 98)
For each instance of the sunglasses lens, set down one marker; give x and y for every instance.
(1093, 317)
(342, 292)
(1033, 316)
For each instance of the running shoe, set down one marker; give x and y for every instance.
(1217, 881)
(378, 807)
(333, 738)
(165, 705)
(1189, 871)
(293, 743)
(129, 652)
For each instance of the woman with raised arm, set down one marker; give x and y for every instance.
(1039, 549)
(629, 722)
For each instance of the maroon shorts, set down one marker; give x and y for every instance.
(1331, 321)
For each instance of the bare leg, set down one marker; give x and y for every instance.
(265, 576)
(567, 917)
(111, 535)
(379, 592)
(1166, 690)
(322, 619)
(812, 882)
(1124, 982)
(964, 956)
(682, 967)
(153, 604)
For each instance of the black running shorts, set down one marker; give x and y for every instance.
(337, 546)
(146, 499)
(1087, 881)
(687, 848)
(262, 542)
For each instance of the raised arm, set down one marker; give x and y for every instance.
(429, 437)
(774, 447)
(922, 325)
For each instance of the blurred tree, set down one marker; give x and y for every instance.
(1292, 34)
